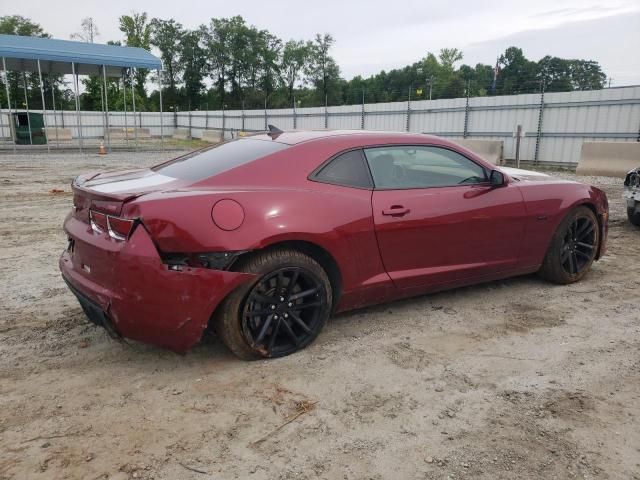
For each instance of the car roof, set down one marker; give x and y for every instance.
(294, 137)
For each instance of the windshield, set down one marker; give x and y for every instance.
(225, 156)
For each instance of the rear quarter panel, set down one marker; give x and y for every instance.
(337, 219)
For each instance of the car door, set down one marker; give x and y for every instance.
(438, 219)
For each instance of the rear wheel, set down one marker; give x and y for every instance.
(282, 312)
(573, 247)
(634, 215)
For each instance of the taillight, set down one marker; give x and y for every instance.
(118, 228)
(98, 221)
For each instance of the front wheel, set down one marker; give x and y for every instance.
(573, 247)
(282, 312)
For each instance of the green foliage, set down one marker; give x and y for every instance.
(18, 25)
(322, 70)
(137, 31)
(193, 59)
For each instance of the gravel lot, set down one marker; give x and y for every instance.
(511, 379)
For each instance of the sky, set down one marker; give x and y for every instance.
(379, 35)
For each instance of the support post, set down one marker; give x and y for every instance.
(223, 122)
(518, 136)
(161, 113)
(55, 115)
(6, 84)
(26, 101)
(75, 94)
(124, 99)
(466, 112)
(190, 135)
(539, 131)
(326, 114)
(362, 113)
(106, 107)
(265, 114)
(44, 108)
(295, 117)
(243, 115)
(104, 125)
(133, 97)
(409, 110)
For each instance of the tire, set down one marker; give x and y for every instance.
(634, 215)
(239, 320)
(556, 267)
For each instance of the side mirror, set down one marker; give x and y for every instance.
(497, 178)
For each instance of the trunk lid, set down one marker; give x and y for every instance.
(107, 192)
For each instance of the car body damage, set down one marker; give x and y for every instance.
(154, 253)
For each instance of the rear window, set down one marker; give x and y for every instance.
(222, 157)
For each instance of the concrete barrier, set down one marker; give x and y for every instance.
(64, 134)
(611, 159)
(118, 133)
(489, 150)
(181, 133)
(213, 136)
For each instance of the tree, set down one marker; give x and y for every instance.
(18, 25)
(168, 36)
(270, 54)
(518, 75)
(295, 57)
(88, 31)
(322, 70)
(192, 57)
(449, 56)
(137, 31)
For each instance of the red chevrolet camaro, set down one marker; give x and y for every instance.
(264, 237)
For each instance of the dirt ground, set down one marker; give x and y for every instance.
(511, 379)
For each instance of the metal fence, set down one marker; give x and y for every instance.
(555, 124)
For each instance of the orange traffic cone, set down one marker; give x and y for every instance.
(102, 150)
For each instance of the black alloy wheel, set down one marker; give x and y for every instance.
(279, 313)
(573, 247)
(283, 311)
(579, 245)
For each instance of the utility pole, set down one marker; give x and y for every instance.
(430, 86)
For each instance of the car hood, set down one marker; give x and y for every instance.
(530, 176)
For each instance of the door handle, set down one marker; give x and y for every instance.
(396, 211)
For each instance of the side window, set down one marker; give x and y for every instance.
(348, 169)
(421, 167)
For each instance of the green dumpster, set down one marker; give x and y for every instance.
(21, 125)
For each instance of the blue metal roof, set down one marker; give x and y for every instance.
(56, 56)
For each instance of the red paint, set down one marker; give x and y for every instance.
(227, 214)
(388, 244)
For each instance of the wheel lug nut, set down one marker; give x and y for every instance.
(290, 304)
(282, 299)
(286, 315)
(273, 307)
(275, 317)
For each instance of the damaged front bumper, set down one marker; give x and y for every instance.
(127, 289)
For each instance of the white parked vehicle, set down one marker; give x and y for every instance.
(632, 195)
